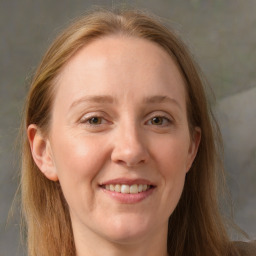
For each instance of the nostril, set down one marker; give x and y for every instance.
(129, 149)
(129, 160)
(129, 164)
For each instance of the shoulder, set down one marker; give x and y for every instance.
(246, 248)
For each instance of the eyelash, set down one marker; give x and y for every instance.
(165, 121)
(163, 118)
(87, 120)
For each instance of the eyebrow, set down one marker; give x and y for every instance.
(161, 99)
(94, 99)
(108, 99)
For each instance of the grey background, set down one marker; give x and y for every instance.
(221, 35)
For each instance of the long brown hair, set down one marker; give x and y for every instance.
(195, 227)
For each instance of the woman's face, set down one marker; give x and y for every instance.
(119, 141)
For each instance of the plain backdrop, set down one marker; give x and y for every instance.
(221, 35)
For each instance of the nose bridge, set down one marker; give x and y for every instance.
(130, 144)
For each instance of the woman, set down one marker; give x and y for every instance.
(120, 151)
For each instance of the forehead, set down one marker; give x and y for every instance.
(120, 64)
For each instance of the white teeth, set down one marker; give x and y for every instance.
(133, 189)
(118, 188)
(126, 189)
(145, 187)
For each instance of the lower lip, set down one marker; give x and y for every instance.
(129, 198)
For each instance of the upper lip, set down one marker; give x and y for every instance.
(127, 181)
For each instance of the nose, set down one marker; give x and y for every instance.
(129, 147)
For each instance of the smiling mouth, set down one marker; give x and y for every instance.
(127, 189)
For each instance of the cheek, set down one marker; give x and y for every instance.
(78, 161)
(171, 161)
(173, 170)
(172, 155)
(77, 155)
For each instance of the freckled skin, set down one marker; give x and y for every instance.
(125, 142)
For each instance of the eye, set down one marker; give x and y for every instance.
(159, 121)
(95, 120)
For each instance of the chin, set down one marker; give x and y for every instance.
(128, 230)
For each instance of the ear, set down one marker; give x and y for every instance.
(41, 152)
(194, 144)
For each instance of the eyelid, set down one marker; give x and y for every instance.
(161, 114)
(86, 117)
